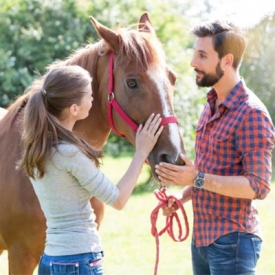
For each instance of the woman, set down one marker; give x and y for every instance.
(64, 172)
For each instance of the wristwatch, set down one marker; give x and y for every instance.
(199, 180)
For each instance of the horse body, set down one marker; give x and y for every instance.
(142, 85)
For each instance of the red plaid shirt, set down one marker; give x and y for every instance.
(237, 140)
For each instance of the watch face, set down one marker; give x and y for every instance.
(199, 182)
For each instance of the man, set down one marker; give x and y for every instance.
(234, 141)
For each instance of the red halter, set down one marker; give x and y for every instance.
(112, 103)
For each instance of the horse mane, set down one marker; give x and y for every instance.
(142, 47)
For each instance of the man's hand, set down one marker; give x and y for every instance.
(176, 174)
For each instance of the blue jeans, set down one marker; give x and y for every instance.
(234, 253)
(80, 264)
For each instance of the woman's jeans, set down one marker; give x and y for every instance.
(80, 264)
(234, 253)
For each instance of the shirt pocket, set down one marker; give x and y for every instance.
(222, 143)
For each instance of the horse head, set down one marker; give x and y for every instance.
(140, 83)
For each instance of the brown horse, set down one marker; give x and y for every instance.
(132, 64)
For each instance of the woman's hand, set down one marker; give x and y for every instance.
(147, 135)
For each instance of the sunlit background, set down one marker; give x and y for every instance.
(245, 13)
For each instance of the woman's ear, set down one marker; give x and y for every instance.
(74, 110)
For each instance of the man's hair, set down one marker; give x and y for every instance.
(227, 38)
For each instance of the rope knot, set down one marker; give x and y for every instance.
(163, 201)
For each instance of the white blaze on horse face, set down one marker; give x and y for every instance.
(159, 77)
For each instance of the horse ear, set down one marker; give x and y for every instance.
(145, 25)
(107, 34)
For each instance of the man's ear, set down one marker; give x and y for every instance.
(74, 110)
(228, 60)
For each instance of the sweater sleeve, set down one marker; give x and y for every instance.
(89, 176)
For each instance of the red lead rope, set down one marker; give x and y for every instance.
(163, 201)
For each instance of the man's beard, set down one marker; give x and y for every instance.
(209, 80)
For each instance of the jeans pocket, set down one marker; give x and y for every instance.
(57, 268)
(227, 241)
(96, 267)
(257, 244)
(223, 250)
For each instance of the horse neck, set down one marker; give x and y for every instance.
(95, 129)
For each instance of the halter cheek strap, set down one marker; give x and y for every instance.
(113, 104)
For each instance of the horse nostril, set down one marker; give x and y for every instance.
(170, 159)
(165, 158)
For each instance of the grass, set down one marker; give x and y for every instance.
(130, 248)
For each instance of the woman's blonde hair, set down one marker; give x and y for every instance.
(62, 87)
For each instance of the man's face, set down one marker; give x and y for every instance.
(206, 63)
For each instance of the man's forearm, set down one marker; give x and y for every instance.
(232, 186)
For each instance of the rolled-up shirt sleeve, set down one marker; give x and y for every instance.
(255, 142)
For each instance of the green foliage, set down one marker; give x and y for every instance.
(34, 33)
(259, 63)
(117, 146)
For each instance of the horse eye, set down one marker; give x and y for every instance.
(131, 83)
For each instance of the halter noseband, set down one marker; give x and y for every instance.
(112, 103)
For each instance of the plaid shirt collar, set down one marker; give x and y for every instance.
(232, 99)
